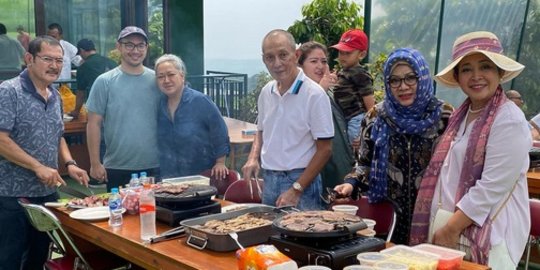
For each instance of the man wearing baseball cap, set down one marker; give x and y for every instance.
(125, 100)
(354, 89)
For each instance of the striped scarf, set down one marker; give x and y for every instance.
(418, 118)
(479, 237)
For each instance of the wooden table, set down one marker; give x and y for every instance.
(235, 127)
(173, 254)
(533, 181)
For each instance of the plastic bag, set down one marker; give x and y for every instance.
(68, 98)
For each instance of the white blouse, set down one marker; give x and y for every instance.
(506, 162)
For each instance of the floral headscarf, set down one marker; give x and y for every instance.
(421, 116)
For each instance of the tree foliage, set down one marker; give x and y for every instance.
(248, 104)
(325, 20)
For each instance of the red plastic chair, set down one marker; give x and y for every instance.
(383, 213)
(222, 184)
(242, 192)
(535, 227)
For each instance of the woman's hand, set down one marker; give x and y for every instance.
(446, 237)
(219, 171)
(344, 190)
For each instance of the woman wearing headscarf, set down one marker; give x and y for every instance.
(398, 138)
(474, 193)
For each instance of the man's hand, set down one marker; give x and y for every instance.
(251, 169)
(74, 114)
(49, 176)
(98, 172)
(78, 174)
(291, 197)
(219, 171)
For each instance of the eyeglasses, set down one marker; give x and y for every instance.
(50, 60)
(131, 46)
(410, 80)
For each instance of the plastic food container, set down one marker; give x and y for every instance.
(414, 258)
(450, 259)
(370, 223)
(391, 266)
(192, 179)
(371, 258)
(359, 267)
(314, 267)
(345, 208)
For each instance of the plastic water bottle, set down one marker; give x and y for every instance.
(115, 208)
(134, 180)
(143, 179)
(147, 212)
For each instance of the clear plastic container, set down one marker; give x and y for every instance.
(391, 266)
(414, 258)
(450, 259)
(370, 258)
(360, 267)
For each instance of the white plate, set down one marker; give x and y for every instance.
(239, 206)
(67, 118)
(92, 213)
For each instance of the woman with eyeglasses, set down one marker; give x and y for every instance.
(397, 139)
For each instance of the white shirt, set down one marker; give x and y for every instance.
(70, 56)
(506, 162)
(291, 123)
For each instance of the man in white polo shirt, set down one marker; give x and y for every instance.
(294, 129)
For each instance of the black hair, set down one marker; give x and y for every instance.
(56, 26)
(3, 29)
(35, 45)
(307, 48)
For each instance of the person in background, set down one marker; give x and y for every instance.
(125, 101)
(398, 136)
(11, 58)
(192, 135)
(94, 65)
(477, 178)
(23, 37)
(354, 89)
(535, 127)
(516, 97)
(313, 59)
(31, 129)
(294, 129)
(70, 51)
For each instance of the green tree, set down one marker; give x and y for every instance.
(248, 104)
(325, 20)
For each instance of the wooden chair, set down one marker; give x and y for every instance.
(535, 227)
(45, 221)
(242, 191)
(222, 184)
(383, 213)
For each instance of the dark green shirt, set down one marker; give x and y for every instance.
(92, 67)
(353, 85)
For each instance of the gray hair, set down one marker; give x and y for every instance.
(175, 60)
(277, 32)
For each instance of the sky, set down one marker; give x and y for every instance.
(234, 29)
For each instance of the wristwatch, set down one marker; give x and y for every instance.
(296, 186)
(71, 162)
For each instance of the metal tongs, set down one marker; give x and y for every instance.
(259, 191)
(168, 235)
(329, 196)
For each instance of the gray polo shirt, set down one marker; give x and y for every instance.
(36, 126)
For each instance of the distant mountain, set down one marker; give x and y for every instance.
(251, 67)
(245, 66)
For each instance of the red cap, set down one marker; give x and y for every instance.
(354, 39)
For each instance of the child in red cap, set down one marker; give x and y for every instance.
(354, 89)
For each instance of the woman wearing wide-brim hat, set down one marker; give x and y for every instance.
(474, 194)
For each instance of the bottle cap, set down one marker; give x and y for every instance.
(114, 190)
(143, 174)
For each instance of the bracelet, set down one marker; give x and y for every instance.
(71, 162)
